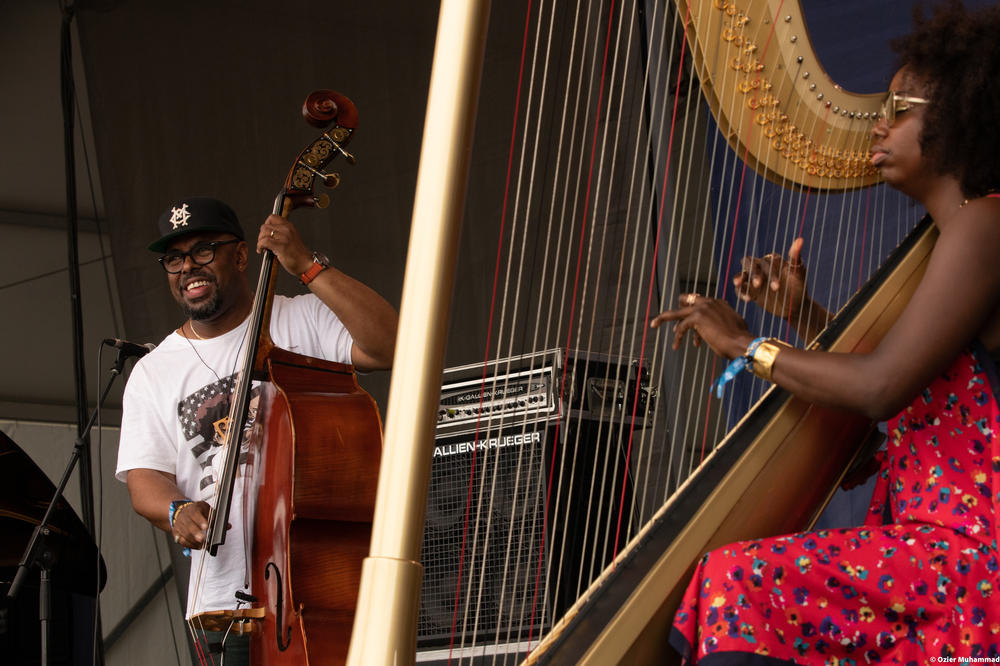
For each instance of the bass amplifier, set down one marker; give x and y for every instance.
(519, 449)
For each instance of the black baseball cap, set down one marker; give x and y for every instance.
(195, 214)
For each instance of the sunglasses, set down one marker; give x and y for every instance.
(895, 102)
(201, 254)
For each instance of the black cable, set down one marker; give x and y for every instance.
(166, 596)
(67, 96)
(99, 525)
(117, 323)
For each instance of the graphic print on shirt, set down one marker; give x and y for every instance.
(204, 415)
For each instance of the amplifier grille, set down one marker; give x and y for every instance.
(502, 544)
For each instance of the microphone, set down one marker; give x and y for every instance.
(130, 348)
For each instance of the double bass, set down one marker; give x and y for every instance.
(312, 464)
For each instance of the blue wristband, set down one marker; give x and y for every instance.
(736, 366)
(175, 506)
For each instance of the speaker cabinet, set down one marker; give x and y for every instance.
(528, 485)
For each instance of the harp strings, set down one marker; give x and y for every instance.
(568, 286)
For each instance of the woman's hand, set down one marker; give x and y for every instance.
(708, 319)
(774, 283)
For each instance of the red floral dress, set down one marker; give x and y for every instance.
(921, 587)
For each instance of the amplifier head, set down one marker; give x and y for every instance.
(546, 384)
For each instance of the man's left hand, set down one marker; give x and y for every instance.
(281, 237)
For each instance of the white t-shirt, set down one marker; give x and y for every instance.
(174, 402)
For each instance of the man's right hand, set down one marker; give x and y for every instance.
(190, 524)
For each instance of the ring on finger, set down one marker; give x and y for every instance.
(272, 233)
(692, 298)
(177, 538)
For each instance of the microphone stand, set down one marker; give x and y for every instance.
(39, 551)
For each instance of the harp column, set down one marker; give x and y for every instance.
(385, 622)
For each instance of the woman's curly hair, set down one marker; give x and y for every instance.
(955, 52)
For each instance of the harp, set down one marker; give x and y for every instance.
(651, 193)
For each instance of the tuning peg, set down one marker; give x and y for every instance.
(321, 200)
(347, 156)
(331, 180)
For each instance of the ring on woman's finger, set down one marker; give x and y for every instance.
(272, 233)
(691, 299)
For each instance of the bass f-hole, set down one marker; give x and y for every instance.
(279, 620)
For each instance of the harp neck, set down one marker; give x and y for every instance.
(776, 105)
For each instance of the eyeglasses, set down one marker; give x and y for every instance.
(201, 254)
(895, 102)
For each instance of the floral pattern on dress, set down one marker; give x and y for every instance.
(922, 587)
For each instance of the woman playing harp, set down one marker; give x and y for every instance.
(919, 580)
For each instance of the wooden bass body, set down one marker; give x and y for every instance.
(315, 499)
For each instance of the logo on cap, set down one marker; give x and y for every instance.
(179, 216)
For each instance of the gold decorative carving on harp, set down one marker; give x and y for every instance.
(623, 194)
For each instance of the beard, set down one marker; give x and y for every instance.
(204, 310)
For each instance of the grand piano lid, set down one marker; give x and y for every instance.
(25, 493)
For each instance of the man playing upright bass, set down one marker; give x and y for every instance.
(177, 399)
